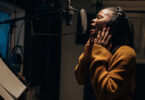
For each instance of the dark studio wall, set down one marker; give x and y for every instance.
(42, 48)
(140, 82)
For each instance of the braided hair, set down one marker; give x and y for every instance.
(122, 34)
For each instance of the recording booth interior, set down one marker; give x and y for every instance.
(41, 40)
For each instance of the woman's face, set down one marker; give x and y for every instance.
(100, 21)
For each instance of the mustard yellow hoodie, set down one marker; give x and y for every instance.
(112, 75)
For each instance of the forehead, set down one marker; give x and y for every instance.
(106, 13)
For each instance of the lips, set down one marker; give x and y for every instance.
(92, 25)
(92, 31)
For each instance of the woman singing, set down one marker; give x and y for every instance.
(107, 65)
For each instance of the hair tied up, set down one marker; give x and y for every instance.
(119, 8)
(120, 12)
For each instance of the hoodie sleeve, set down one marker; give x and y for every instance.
(82, 67)
(111, 75)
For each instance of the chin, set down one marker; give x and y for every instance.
(99, 29)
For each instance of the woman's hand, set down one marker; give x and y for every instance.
(102, 38)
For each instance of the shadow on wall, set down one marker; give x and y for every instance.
(140, 82)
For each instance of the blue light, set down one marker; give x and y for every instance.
(4, 29)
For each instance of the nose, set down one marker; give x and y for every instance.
(93, 22)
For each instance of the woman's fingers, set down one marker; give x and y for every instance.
(106, 34)
(99, 35)
(97, 39)
(103, 38)
(102, 34)
(108, 40)
(90, 40)
(107, 37)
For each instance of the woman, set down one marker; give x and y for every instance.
(107, 65)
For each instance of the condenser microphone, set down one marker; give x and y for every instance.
(69, 11)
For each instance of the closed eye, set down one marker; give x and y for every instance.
(99, 16)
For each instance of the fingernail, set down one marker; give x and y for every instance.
(99, 31)
(104, 29)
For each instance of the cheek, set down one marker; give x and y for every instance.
(104, 25)
(100, 25)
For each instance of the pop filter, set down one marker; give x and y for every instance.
(82, 21)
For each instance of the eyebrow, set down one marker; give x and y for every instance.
(99, 16)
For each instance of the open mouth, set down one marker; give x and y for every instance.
(92, 31)
(92, 26)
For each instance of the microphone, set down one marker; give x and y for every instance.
(69, 11)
